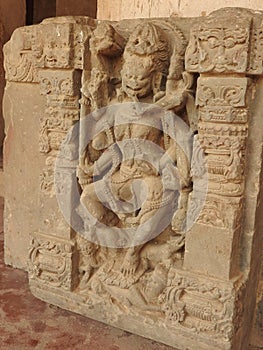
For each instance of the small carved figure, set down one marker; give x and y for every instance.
(144, 294)
(88, 263)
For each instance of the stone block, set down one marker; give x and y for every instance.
(142, 154)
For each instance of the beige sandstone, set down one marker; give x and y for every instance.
(8, 24)
(180, 266)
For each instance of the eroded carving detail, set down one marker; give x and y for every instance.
(221, 47)
(255, 66)
(201, 306)
(50, 261)
(222, 133)
(21, 54)
(61, 89)
(85, 66)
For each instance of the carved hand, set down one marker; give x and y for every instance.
(172, 100)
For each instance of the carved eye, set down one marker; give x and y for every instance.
(148, 43)
(136, 42)
(229, 42)
(213, 42)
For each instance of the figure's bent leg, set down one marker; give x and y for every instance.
(96, 208)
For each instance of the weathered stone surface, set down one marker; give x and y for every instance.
(174, 263)
(23, 54)
(257, 331)
(7, 25)
(21, 121)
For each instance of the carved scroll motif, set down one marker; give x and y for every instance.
(21, 55)
(201, 306)
(50, 261)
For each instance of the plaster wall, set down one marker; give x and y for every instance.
(76, 8)
(121, 9)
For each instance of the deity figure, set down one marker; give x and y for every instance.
(147, 76)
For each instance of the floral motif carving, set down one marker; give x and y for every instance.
(222, 99)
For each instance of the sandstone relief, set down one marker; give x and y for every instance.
(146, 191)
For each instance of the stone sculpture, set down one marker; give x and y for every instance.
(173, 262)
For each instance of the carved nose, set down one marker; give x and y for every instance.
(141, 48)
(131, 78)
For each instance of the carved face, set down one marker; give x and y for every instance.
(137, 76)
(146, 40)
(145, 56)
(155, 189)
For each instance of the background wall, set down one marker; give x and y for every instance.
(37, 10)
(77, 8)
(12, 15)
(120, 9)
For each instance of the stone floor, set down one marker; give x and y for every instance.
(28, 323)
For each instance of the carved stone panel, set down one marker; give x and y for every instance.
(219, 46)
(147, 195)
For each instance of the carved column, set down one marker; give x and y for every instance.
(44, 71)
(223, 116)
(225, 53)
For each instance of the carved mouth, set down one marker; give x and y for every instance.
(134, 89)
(51, 59)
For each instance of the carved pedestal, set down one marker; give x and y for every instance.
(95, 108)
